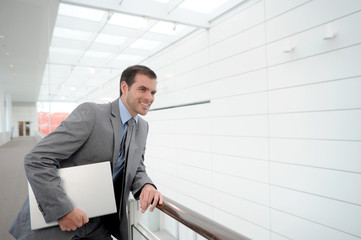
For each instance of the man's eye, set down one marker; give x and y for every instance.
(142, 89)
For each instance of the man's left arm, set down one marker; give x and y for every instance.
(144, 189)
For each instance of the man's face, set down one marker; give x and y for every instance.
(138, 98)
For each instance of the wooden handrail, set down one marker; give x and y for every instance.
(200, 224)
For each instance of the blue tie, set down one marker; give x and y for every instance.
(124, 147)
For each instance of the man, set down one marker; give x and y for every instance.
(93, 133)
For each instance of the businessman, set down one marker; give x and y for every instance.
(94, 133)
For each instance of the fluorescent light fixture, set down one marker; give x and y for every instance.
(126, 57)
(92, 70)
(97, 54)
(145, 44)
(167, 28)
(69, 51)
(81, 12)
(110, 39)
(127, 21)
(202, 6)
(72, 34)
(162, 1)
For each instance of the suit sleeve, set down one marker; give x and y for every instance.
(42, 162)
(141, 177)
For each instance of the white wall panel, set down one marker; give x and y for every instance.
(299, 229)
(309, 15)
(163, 126)
(239, 43)
(342, 155)
(244, 189)
(247, 17)
(240, 126)
(239, 84)
(241, 63)
(195, 159)
(195, 175)
(277, 7)
(339, 64)
(312, 42)
(165, 140)
(241, 226)
(195, 196)
(276, 152)
(192, 94)
(191, 78)
(252, 147)
(191, 44)
(193, 61)
(240, 105)
(246, 210)
(246, 168)
(194, 111)
(329, 183)
(317, 125)
(194, 142)
(342, 94)
(276, 236)
(193, 126)
(334, 214)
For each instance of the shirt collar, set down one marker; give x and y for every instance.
(124, 113)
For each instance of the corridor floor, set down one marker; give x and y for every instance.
(13, 184)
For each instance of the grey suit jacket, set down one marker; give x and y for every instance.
(90, 134)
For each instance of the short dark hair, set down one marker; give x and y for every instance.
(130, 72)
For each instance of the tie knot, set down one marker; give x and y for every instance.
(131, 122)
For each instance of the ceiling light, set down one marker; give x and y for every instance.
(110, 39)
(81, 12)
(92, 70)
(63, 98)
(145, 44)
(2, 36)
(202, 6)
(7, 54)
(97, 54)
(127, 21)
(73, 88)
(72, 34)
(12, 65)
(64, 50)
(126, 57)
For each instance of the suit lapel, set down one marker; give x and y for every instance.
(115, 120)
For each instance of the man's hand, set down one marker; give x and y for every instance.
(73, 220)
(150, 195)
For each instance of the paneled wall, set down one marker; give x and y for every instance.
(274, 152)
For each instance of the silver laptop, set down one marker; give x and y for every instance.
(89, 187)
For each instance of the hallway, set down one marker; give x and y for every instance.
(13, 185)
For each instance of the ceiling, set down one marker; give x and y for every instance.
(62, 52)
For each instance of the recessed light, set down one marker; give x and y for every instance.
(7, 54)
(72, 88)
(2, 36)
(12, 65)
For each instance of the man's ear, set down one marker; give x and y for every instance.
(124, 87)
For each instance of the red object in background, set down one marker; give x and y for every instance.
(56, 119)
